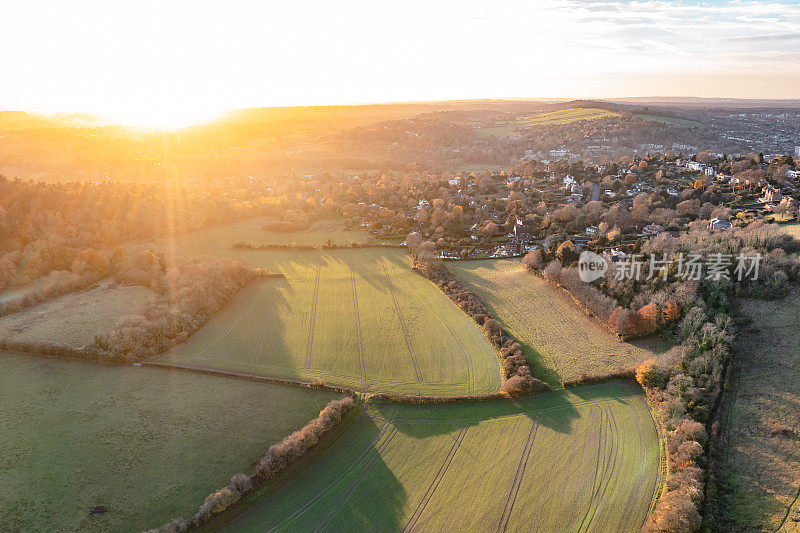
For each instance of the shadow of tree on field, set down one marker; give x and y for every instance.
(347, 487)
(539, 365)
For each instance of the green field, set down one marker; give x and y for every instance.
(559, 339)
(671, 120)
(761, 465)
(578, 460)
(219, 240)
(147, 444)
(74, 319)
(792, 229)
(565, 116)
(358, 318)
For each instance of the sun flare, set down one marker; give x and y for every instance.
(158, 118)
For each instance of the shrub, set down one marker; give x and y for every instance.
(279, 457)
(532, 260)
(648, 374)
(188, 294)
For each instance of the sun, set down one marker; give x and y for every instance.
(158, 118)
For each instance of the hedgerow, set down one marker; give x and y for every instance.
(516, 368)
(278, 458)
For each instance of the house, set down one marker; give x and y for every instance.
(652, 229)
(790, 204)
(591, 231)
(616, 256)
(718, 224)
(793, 174)
(524, 231)
(772, 194)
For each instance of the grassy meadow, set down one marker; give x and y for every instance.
(74, 319)
(792, 229)
(762, 438)
(218, 241)
(146, 444)
(560, 341)
(565, 116)
(360, 318)
(585, 459)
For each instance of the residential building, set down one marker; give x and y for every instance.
(652, 229)
(718, 224)
(772, 194)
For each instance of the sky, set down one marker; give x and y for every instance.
(170, 63)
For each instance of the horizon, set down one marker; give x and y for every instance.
(104, 120)
(176, 63)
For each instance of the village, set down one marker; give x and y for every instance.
(607, 208)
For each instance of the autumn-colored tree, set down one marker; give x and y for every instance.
(626, 322)
(649, 374)
(532, 260)
(566, 253)
(650, 315)
(671, 311)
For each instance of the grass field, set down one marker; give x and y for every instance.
(580, 460)
(565, 116)
(147, 444)
(763, 467)
(74, 319)
(359, 318)
(672, 120)
(559, 339)
(792, 229)
(219, 240)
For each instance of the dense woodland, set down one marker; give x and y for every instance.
(44, 227)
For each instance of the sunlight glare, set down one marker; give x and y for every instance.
(158, 118)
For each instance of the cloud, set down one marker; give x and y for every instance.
(746, 31)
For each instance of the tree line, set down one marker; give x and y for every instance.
(278, 458)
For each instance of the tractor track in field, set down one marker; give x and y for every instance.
(409, 345)
(470, 369)
(219, 338)
(604, 473)
(611, 463)
(313, 318)
(355, 483)
(358, 329)
(512, 494)
(262, 336)
(388, 426)
(601, 440)
(412, 522)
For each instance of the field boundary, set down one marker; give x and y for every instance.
(662, 459)
(246, 376)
